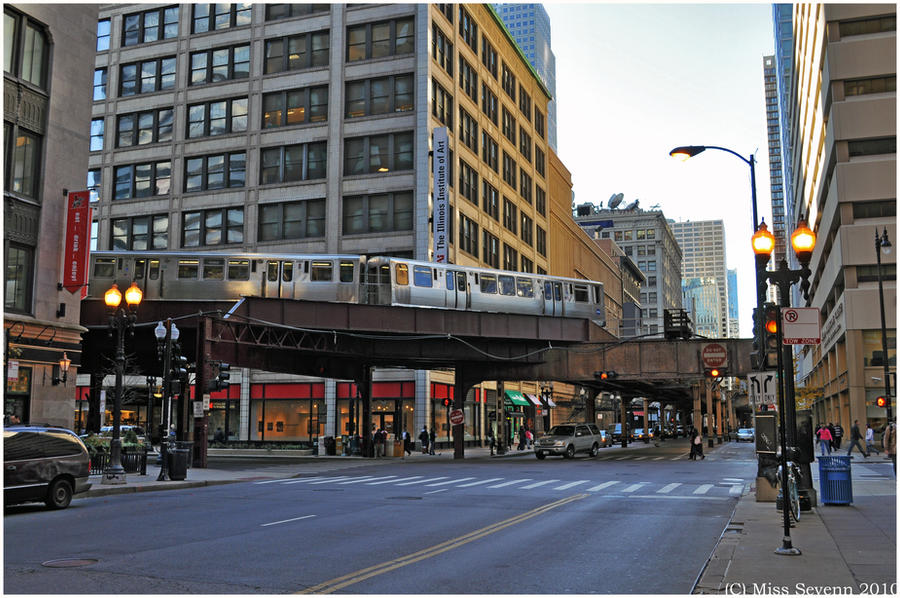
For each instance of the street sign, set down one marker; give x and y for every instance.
(713, 355)
(457, 417)
(801, 325)
(763, 389)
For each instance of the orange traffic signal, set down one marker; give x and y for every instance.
(881, 402)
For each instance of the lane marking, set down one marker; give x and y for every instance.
(536, 484)
(703, 489)
(343, 581)
(366, 478)
(451, 481)
(327, 480)
(389, 481)
(504, 484)
(479, 482)
(601, 486)
(571, 484)
(443, 477)
(668, 488)
(676, 497)
(286, 520)
(635, 487)
(733, 479)
(438, 490)
(303, 480)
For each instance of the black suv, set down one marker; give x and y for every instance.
(43, 463)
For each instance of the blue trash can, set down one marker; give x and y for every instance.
(835, 484)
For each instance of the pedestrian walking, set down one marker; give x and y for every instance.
(889, 444)
(431, 437)
(824, 436)
(379, 438)
(407, 443)
(423, 438)
(529, 438)
(521, 445)
(696, 445)
(491, 441)
(870, 440)
(838, 434)
(855, 437)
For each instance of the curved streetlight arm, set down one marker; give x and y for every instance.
(751, 162)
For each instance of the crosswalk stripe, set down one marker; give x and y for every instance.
(368, 478)
(480, 482)
(669, 487)
(536, 484)
(703, 489)
(302, 480)
(326, 480)
(635, 487)
(570, 484)
(504, 484)
(601, 486)
(443, 477)
(389, 481)
(658, 458)
(623, 458)
(450, 482)
(275, 481)
(640, 458)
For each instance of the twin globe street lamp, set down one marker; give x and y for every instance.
(883, 245)
(121, 319)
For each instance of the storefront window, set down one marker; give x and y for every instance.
(872, 349)
(18, 391)
(294, 420)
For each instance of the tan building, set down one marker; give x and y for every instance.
(48, 55)
(843, 132)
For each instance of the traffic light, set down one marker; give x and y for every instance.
(881, 402)
(607, 375)
(222, 380)
(757, 354)
(179, 367)
(448, 403)
(714, 372)
(770, 335)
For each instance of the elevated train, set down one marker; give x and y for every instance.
(377, 280)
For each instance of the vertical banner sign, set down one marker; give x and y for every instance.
(78, 241)
(440, 167)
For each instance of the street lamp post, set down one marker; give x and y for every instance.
(883, 244)
(166, 334)
(120, 320)
(803, 241)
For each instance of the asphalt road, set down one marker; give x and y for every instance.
(630, 521)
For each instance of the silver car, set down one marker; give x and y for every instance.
(568, 439)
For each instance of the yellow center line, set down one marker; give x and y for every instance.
(357, 576)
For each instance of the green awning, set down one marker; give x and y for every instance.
(514, 397)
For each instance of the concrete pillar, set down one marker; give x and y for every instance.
(697, 417)
(710, 414)
(645, 402)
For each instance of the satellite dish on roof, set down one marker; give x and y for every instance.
(632, 205)
(615, 200)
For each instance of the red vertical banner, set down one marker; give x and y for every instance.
(78, 241)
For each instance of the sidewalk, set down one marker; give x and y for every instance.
(845, 548)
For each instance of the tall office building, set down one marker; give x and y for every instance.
(784, 66)
(776, 184)
(702, 245)
(700, 297)
(734, 328)
(529, 25)
(844, 139)
(48, 51)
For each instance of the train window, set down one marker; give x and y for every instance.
(140, 269)
(524, 287)
(449, 281)
(271, 271)
(238, 269)
(287, 272)
(488, 284)
(385, 272)
(548, 291)
(321, 271)
(507, 285)
(557, 291)
(214, 269)
(422, 276)
(596, 294)
(105, 267)
(402, 274)
(581, 293)
(347, 271)
(154, 270)
(188, 268)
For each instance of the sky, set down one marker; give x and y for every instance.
(634, 81)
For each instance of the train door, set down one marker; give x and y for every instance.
(553, 303)
(272, 279)
(457, 290)
(153, 281)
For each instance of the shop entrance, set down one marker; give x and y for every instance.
(384, 421)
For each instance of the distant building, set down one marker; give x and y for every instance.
(734, 329)
(700, 296)
(702, 245)
(632, 279)
(784, 68)
(776, 181)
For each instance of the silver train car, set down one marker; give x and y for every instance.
(377, 280)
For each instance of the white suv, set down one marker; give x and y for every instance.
(568, 439)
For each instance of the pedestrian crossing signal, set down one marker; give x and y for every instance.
(448, 403)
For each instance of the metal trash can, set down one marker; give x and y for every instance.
(835, 484)
(179, 457)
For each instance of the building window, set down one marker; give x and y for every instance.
(446, 9)
(143, 128)
(489, 56)
(25, 49)
(524, 103)
(293, 163)
(490, 248)
(539, 126)
(217, 171)
(490, 200)
(468, 182)
(102, 35)
(489, 151)
(380, 40)
(295, 107)
(217, 118)
(868, 25)
(441, 104)
(874, 209)
(275, 12)
(540, 161)
(540, 202)
(525, 186)
(527, 264)
(468, 29)
(441, 49)
(509, 170)
(858, 87)
(527, 231)
(220, 64)
(150, 26)
(97, 127)
(140, 233)
(541, 241)
(870, 273)
(93, 184)
(872, 147)
(510, 258)
(375, 213)
(23, 176)
(873, 353)
(524, 144)
(384, 95)
(510, 216)
(468, 235)
(509, 125)
(212, 17)
(468, 79)
(292, 220)
(508, 81)
(19, 278)
(147, 76)
(99, 84)
(297, 52)
(143, 180)
(221, 226)
(488, 102)
(468, 130)
(378, 153)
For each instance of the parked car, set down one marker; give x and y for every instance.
(638, 434)
(568, 439)
(605, 438)
(746, 434)
(616, 431)
(138, 430)
(43, 463)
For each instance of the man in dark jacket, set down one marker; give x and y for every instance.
(838, 435)
(423, 438)
(855, 437)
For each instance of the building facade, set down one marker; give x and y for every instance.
(700, 296)
(48, 56)
(734, 328)
(782, 18)
(776, 177)
(702, 245)
(843, 134)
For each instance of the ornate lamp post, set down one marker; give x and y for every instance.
(166, 334)
(883, 245)
(120, 320)
(803, 240)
